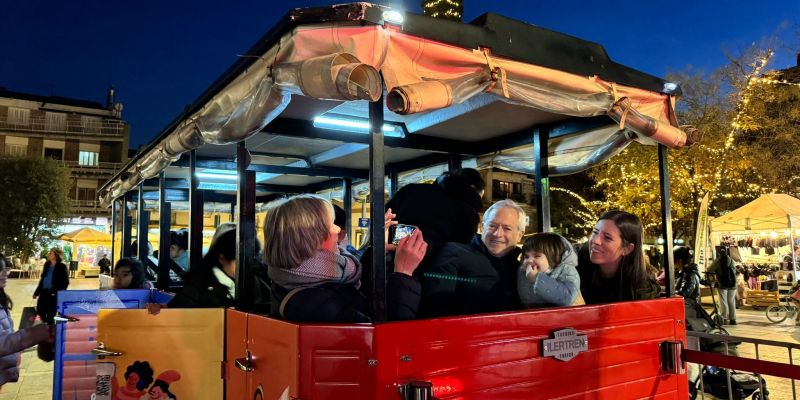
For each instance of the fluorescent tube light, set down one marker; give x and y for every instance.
(354, 125)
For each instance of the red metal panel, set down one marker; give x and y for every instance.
(335, 362)
(494, 356)
(273, 346)
(499, 355)
(236, 385)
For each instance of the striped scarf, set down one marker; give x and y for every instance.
(323, 267)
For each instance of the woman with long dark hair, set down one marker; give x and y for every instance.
(11, 343)
(211, 284)
(611, 265)
(54, 278)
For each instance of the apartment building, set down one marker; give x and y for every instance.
(88, 137)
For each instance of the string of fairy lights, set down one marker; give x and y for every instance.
(445, 9)
(736, 124)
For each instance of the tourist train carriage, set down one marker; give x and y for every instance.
(335, 100)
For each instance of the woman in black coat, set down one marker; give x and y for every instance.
(212, 283)
(55, 277)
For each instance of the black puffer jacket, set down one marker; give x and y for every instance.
(342, 303)
(446, 211)
(467, 279)
(687, 283)
(202, 289)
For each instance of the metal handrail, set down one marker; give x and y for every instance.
(731, 338)
(71, 126)
(757, 366)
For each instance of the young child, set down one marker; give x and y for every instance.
(548, 274)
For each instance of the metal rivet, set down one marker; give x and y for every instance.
(372, 362)
(405, 358)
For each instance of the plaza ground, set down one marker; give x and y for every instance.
(36, 376)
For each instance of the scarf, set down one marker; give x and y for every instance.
(323, 267)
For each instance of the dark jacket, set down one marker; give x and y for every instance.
(46, 303)
(445, 211)
(342, 303)
(687, 283)
(467, 279)
(598, 290)
(60, 278)
(716, 269)
(202, 289)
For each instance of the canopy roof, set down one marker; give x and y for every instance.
(473, 90)
(87, 236)
(768, 212)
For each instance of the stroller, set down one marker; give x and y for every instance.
(714, 380)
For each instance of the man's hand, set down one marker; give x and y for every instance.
(410, 252)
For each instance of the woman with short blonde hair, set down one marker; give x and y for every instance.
(314, 280)
(293, 229)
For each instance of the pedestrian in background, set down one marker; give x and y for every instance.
(54, 278)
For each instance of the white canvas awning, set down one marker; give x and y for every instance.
(768, 212)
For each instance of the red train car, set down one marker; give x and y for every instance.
(336, 98)
(613, 351)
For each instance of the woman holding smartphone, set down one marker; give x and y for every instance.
(314, 281)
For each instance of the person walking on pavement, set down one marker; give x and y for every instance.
(725, 271)
(54, 278)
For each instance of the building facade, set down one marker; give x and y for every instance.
(86, 136)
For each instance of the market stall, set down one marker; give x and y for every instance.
(762, 231)
(88, 245)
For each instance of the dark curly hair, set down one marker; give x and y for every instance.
(145, 372)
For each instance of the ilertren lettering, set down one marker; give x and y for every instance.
(566, 345)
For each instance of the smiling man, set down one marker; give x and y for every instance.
(478, 277)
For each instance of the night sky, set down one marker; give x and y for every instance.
(161, 55)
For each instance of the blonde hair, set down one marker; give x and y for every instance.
(294, 228)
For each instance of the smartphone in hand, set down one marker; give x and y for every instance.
(401, 231)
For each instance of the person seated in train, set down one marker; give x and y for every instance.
(340, 220)
(129, 274)
(547, 275)
(211, 284)
(178, 246)
(313, 280)
(480, 276)
(447, 210)
(687, 281)
(611, 264)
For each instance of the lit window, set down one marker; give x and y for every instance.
(16, 150)
(89, 158)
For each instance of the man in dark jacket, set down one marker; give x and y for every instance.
(446, 211)
(687, 282)
(727, 291)
(478, 277)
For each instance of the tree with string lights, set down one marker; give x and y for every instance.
(750, 139)
(452, 10)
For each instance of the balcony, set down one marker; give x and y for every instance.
(103, 168)
(105, 127)
(88, 207)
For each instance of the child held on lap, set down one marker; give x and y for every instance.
(547, 276)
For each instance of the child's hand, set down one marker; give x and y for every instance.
(530, 272)
(154, 308)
